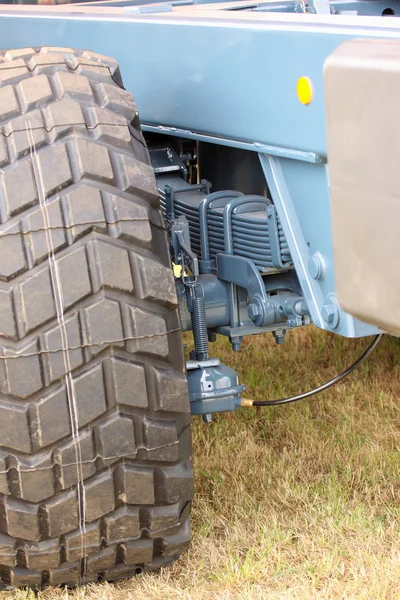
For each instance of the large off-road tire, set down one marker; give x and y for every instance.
(95, 471)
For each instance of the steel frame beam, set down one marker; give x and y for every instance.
(229, 74)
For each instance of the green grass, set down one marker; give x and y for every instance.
(292, 502)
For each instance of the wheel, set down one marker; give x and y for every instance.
(95, 469)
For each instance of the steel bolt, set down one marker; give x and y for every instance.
(279, 336)
(253, 311)
(316, 266)
(328, 313)
(207, 418)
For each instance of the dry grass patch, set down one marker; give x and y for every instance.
(297, 502)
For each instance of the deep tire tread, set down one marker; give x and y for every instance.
(64, 113)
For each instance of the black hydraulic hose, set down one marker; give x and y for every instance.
(321, 388)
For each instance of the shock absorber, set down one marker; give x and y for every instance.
(199, 324)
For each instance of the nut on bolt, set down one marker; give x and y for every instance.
(328, 313)
(331, 311)
(253, 310)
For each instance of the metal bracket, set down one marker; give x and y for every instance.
(243, 273)
(180, 239)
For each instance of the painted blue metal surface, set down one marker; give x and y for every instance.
(227, 74)
(301, 197)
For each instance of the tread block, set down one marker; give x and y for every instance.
(95, 161)
(63, 513)
(100, 497)
(161, 440)
(90, 401)
(172, 393)
(174, 484)
(3, 481)
(81, 543)
(35, 91)
(103, 325)
(132, 219)
(118, 100)
(23, 577)
(42, 556)
(108, 125)
(26, 139)
(36, 481)
(7, 552)
(139, 552)
(139, 178)
(71, 470)
(114, 266)
(123, 524)
(138, 485)
(163, 519)
(53, 180)
(34, 228)
(101, 59)
(23, 371)
(102, 561)
(12, 252)
(117, 438)
(84, 210)
(174, 545)
(66, 52)
(10, 55)
(129, 383)
(9, 102)
(7, 321)
(151, 332)
(16, 434)
(37, 298)
(22, 519)
(74, 86)
(7, 73)
(121, 571)
(157, 281)
(53, 418)
(39, 60)
(4, 158)
(23, 123)
(64, 114)
(74, 277)
(61, 361)
(17, 196)
(66, 574)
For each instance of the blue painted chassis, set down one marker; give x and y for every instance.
(226, 74)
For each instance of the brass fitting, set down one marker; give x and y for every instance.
(246, 402)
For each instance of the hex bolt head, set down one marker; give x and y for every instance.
(253, 311)
(328, 313)
(279, 336)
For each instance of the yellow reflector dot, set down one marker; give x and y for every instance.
(305, 90)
